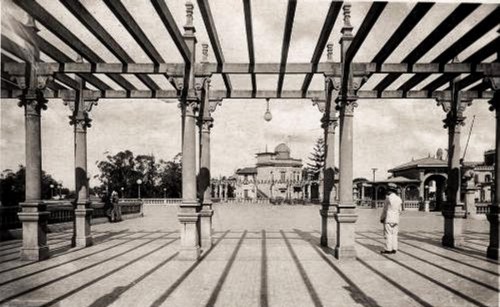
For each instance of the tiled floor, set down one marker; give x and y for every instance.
(263, 256)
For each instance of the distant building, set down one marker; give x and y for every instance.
(275, 175)
(425, 180)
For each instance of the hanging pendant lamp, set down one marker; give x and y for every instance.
(268, 116)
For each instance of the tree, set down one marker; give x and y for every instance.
(123, 170)
(171, 176)
(12, 186)
(317, 159)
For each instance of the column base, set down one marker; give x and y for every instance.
(494, 219)
(189, 254)
(35, 253)
(34, 219)
(82, 236)
(206, 214)
(346, 220)
(189, 218)
(453, 226)
(328, 225)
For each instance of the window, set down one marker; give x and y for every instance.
(487, 178)
(283, 176)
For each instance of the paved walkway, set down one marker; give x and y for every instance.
(263, 256)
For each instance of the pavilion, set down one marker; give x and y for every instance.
(345, 81)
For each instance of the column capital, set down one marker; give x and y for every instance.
(329, 122)
(33, 102)
(454, 109)
(206, 123)
(347, 105)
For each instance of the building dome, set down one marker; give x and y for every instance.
(282, 148)
(282, 151)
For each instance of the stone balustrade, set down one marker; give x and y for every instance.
(63, 212)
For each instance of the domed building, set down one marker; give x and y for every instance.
(275, 175)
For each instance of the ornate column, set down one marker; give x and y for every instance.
(189, 209)
(80, 119)
(494, 214)
(205, 123)
(329, 123)
(454, 105)
(34, 214)
(346, 215)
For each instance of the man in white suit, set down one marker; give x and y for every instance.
(390, 219)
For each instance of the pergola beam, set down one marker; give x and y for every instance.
(326, 30)
(245, 94)
(365, 28)
(287, 35)
(334, 69)
(83, 15)
(208, 19)
(52, 24)
(10, 46)
(485, 25)
(483, 53)
(411, 20)
(445, 27)
(169, 23)
(249, 31)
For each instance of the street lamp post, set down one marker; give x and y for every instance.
(165, 193)
(122, 189)
(51, 191)
(139, 182)
(60, 188)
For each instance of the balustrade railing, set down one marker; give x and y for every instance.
(412, 205)
(482, 208)
(63, 212)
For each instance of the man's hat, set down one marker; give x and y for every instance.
(392, 187)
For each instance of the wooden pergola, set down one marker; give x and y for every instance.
(35, 81)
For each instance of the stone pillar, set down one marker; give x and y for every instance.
(80, 108)
(494, 214)
(225, 191)
(346, 215)
(205, 123)
(453, 211)
(328, 210)
(189, 209)
(34, 214)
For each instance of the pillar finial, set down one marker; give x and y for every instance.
(347, 14)
(79, 59)
(329, 52)
(189, 13)
(204, 52)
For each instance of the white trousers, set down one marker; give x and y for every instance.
(391, 236)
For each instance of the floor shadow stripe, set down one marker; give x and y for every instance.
(60, 298)
(448, 258)
(115, 295)
(176, 284)
(68, 261)
(225, 273)
(78, 271)
(310, 288)
(264, 301)
(375, 249)
(472, 253)
(58, 255)
(358, 295)
(440, 267)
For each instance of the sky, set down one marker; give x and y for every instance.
(386, 132)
